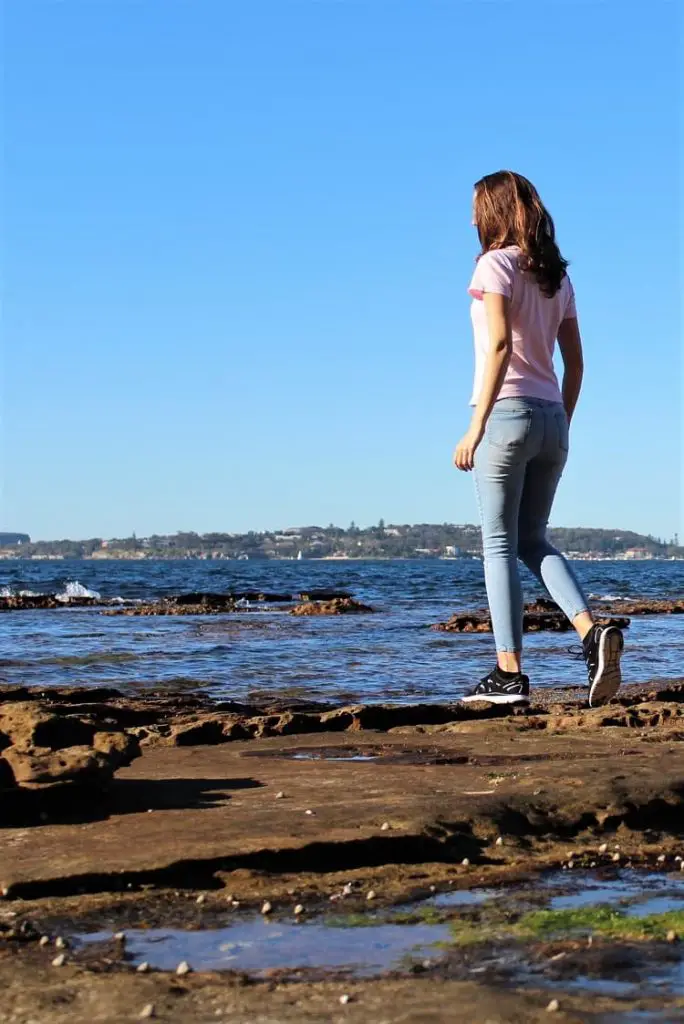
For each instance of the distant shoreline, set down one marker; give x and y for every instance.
(317, 558)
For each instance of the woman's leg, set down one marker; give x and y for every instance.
(551, 568)
(499, 479)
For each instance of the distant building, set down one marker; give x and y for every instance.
(14, 540)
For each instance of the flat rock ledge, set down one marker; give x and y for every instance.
(110, 726)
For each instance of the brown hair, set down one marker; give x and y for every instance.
(508, 211)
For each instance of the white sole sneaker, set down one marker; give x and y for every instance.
(495, 698)
(608, 675)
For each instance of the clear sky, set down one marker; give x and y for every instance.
(237, 242)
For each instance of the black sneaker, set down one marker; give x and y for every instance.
(498, 688)
(603, 647)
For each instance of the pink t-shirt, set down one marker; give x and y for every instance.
(535, 321)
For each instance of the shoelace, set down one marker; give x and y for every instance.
(579, 654)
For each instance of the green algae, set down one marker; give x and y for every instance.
(609, 922)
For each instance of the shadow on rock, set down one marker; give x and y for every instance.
(80, 804)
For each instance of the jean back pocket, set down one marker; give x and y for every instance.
(509, 428)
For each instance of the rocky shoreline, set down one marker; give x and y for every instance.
(542, 615)
(161, 811)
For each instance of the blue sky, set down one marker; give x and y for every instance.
(237, 244)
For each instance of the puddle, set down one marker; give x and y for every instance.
(664, 979)
(637, 893)
(259, 945)
(641, 1017)
(324, 757)
(660, 905)
(464, 897)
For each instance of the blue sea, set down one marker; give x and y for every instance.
(255, 654)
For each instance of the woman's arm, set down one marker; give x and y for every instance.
(498, 358)
(570, 344)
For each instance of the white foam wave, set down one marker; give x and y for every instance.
(76, 589)
(607, 597)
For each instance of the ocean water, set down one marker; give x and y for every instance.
(389, 656)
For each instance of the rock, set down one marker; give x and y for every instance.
(371, 894)
(59, 960)
(344, 999)
(40, 748)
(266, 907)
(19, 602)
(336, 606)
(209, 600)
(147, 1011)
(542, 615)
(299, 909)
(143, 967)
(553, 1006)
(183, 968)
(321, 594)
(644, 606)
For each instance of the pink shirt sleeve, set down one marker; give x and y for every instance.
(493, 273)
(571, 308)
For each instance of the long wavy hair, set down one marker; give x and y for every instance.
(508, 211)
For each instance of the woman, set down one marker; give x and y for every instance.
(517, 442)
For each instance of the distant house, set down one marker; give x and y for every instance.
(14, 540)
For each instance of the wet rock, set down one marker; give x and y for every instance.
(335, 606)
(540, 616)
(321, 594)
(215, 602)
(174, 607)
(643, 607)
(18, 602)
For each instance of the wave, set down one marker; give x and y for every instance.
(607, 597)
(76, 589)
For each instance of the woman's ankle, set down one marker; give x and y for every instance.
(583, 623)
(509, 661)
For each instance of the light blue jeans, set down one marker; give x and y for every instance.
(517, 469)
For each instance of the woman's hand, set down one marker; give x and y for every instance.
(464, 453)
